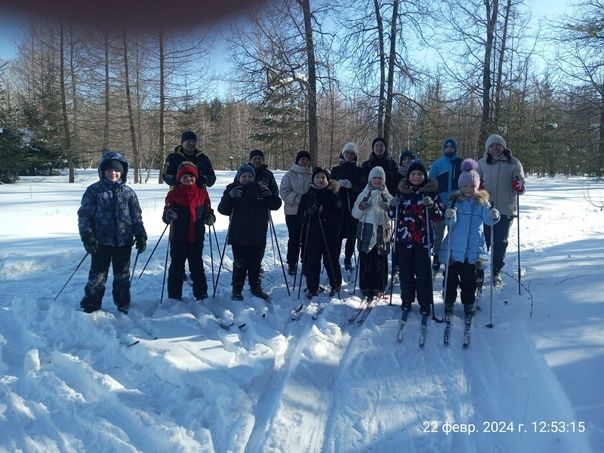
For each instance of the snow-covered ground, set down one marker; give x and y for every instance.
(76, 382)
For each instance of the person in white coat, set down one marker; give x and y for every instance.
(373, 233)
(294, 184)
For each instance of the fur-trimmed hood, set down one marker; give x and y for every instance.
(482, 196)
(332, 185)
(431, 186)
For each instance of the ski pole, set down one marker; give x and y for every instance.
(226, 238)
(490, 324)
(135, 261)
(153, 251)
(303, 255)
(297, 257)
(394, 255)
(518, 240)
(163, 283)
(211, 253)
(329, 261)
(71, 276)
(278, 251)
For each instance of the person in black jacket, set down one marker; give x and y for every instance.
(321, 211)
(187, 151)
(379, 157)
(247, 203)
(349, 175)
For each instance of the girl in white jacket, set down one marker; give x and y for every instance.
(373, 233)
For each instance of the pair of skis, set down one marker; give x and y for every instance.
(423, 328)
(297, 312)
(466, 330)
(367, 304)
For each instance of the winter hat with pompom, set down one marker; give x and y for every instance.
(469, 175)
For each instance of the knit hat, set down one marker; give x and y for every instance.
(188, 135)
(187, 168)
(494, 139)
(378, 139)
(256, 152)
(469, 175)
(114, 164)
(302, 154)
(417, 165)
(406, 153)
(245, 168)
(318, 170)
(451, 142)
(351, 148)
(377, 172)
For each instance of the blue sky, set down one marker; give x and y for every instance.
(12, 23)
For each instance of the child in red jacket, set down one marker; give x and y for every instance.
(187, 210)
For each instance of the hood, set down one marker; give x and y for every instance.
(113, 155)
(481, 196)
(431, 186)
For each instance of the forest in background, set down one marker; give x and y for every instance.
(312, 75)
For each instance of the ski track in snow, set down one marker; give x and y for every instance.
(168, 377)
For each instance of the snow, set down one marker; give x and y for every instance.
(168, 377)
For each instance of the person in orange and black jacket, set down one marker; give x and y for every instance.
(320, 210)
(248, 203)
(187, 210)
(187, 151)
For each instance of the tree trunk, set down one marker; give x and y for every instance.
(162, 106)
(75, 142)
(66, 137)
(107, 107)
(502, 51)
(491, 10)
(313, 136)
(382, 57)
(391, 61)
(130, 116)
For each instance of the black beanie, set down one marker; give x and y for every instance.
(188, 135)
(417, 165)
(406, 153)
(378, 139)
(302, 154)
(114, 164)
(256, 152)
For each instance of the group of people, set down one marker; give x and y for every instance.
(379, 207)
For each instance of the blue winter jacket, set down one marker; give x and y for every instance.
(110, 211)
(465, 233)
(446, 170)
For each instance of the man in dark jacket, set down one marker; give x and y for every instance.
(187, 151)
(379, 157)
(110, 221)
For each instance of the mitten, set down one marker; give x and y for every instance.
(264, 191)
(427, 201)
(451, 213)
(518, 185)
(395, 202)
(311, 211)
(170, 216)
(210, 219)
(236, 192)
(364, 205)
(202, 180)
(345, 183)
(91, 245)
(494, 213)
(141, 243)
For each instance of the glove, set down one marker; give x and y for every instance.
(202, 180)
(395, 202)
(427, 201)
(451, 213)
(170, 216)
(210, 219)
(384, 204)
(264, 191)
(141, 244)
(91, 245)
(236, 192)
(518, 185)
(494, 213)
(311, 210)
(345, 183)
(364, 205)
